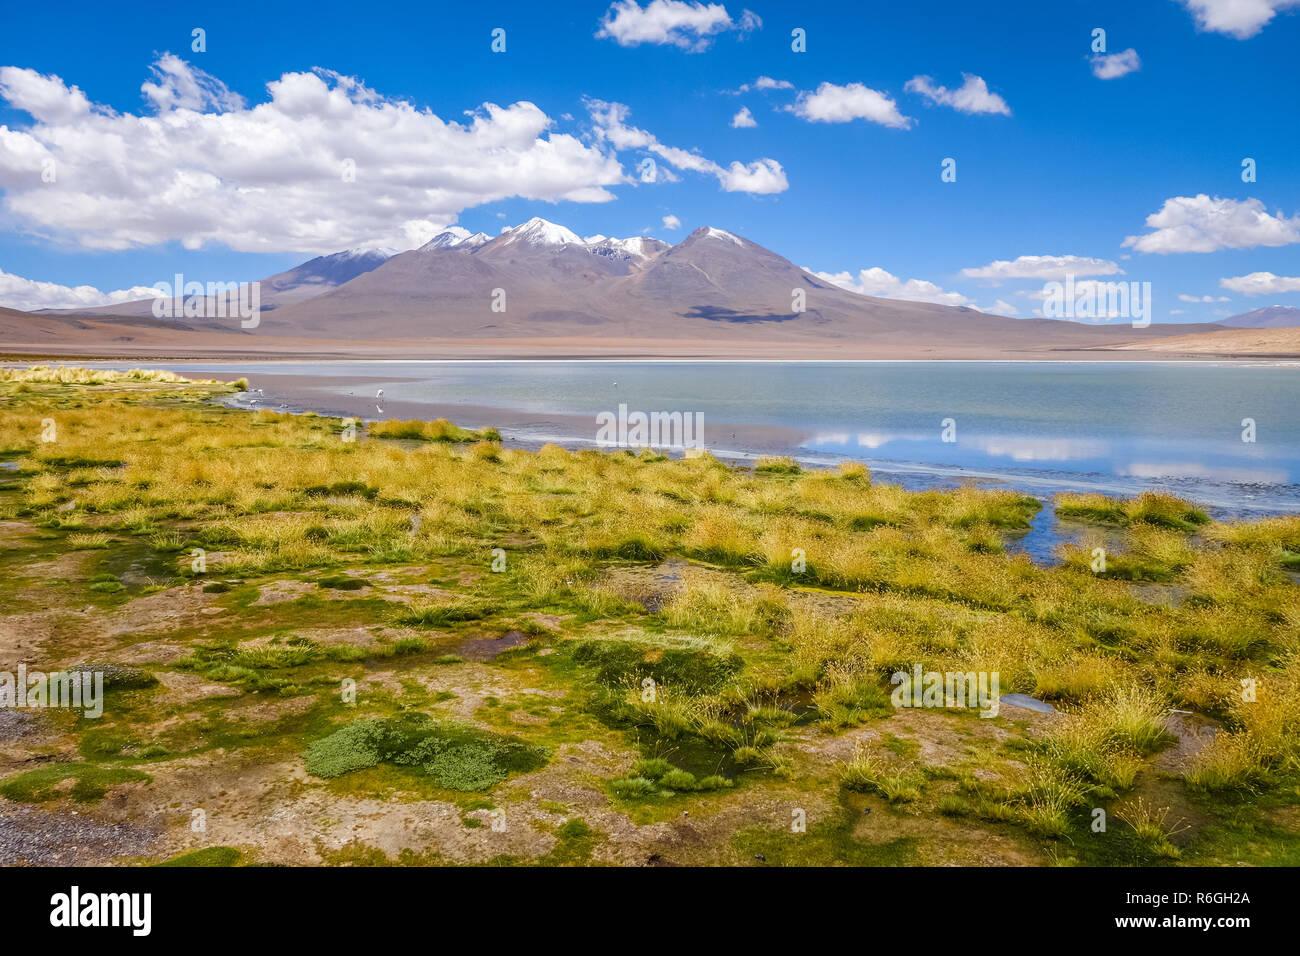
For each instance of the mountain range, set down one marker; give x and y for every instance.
(539, 284)
(1269, 317)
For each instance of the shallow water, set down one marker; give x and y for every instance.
(1040, 427)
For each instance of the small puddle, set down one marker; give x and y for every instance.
(1046, 532)
(667, 580)
(480, 649)
(1027, 702)
(1164, 790)
(651, 587)
(1193, 733)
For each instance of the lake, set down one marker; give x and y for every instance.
(1042, 427)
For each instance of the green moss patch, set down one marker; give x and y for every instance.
(208, 856)
(91, 782)
(457, 756)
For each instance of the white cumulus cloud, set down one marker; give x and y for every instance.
(688, 26)
(1236, 18)
(743, 119)
(1109, 66)
(842, 104)
(182, 86)
(879, 282)
(1203, 224)
(322, 164)
(972, 96)
(1260, 283)
(764, 83)
(1043, 267)
(762, 176)
(672, 222)
(17, 292)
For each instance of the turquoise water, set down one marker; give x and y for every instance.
(1039, 426)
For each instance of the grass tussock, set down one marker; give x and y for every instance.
(1156, 508)
(439, 430)
(865, 773)
(74, 375)
(456, 611)
(1152, 827)
(657, 777)
(1261, 744)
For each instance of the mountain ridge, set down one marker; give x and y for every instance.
(540, 282)
(1268, 317)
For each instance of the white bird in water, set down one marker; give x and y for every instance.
(379, 394)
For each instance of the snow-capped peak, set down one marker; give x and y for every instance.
(363, 252)
(711, 233)
(451, 236)
(456, 237)
(637, 247)
(540, 232)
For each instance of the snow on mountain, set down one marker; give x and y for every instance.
(456, 237)
(349, 263)
(355, 260)
(540, 232)
(637, 247)
(452, 236)
(711, 233)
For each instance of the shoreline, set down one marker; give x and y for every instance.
(1285, 361)
(1113, 357)
(746, 443)
(279, 389)
(97, 340)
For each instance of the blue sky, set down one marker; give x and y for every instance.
(1053, 161)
